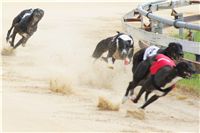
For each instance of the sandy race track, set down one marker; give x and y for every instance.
(60, 51)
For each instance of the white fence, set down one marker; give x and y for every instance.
(160, 39)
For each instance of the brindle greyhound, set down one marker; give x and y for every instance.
(25, 24)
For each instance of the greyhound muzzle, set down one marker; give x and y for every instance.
(124, 55)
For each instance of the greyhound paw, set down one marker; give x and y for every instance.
(134, 100)
(23, 44)
(125, 98)
(142, 108)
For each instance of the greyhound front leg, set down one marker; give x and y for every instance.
(110, 59)
(21, 41)
(130, 86)
(110, 63)
(152, 99)
(24, 41)
(113, 60)
(13, 38)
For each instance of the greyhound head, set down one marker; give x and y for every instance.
(124, 44)
(37, 15)
(175, 51)
(185, 69)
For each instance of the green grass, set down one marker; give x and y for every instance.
(189, 56)
(193, 84)
(197, 36)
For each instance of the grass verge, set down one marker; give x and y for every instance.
(190, 85)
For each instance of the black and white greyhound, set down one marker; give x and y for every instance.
(25, 24)
(119, 47)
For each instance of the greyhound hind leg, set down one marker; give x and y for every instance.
(101, 47)
(142, 90)
(21, 41)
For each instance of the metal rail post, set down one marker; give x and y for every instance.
(179, 17)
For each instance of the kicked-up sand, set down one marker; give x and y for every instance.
(52, 84)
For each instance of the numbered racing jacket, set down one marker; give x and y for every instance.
(161, 61)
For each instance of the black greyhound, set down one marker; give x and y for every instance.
(174, 51)
(119, 47)
(25, 24)
(160, 82)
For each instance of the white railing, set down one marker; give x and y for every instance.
(161, 39)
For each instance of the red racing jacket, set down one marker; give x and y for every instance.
(161, 61)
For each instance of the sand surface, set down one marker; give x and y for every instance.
(60, 51)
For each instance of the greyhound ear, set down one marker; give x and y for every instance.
(115, 39)
(181, 46)
(119, 39)
(171, 44)
(118, 32)
(130, 37)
